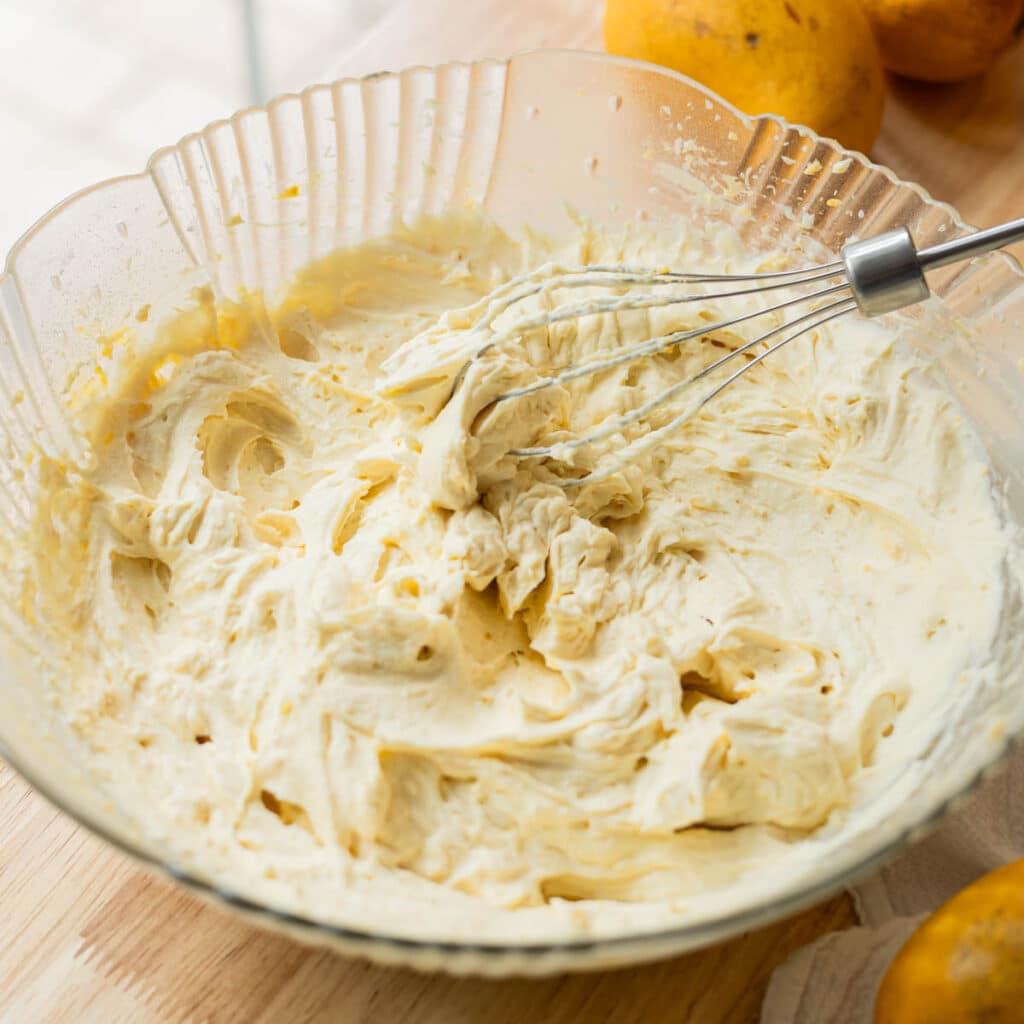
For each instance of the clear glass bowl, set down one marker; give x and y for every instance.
(246, 202)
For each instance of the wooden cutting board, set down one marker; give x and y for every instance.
(85, 936)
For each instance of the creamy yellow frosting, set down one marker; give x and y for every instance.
(330, 645)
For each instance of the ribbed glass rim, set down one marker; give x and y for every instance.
(681, 937)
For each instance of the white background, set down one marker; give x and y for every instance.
(89, 88)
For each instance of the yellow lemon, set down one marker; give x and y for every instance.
(814, 62)
(966, 962)
(942, 40)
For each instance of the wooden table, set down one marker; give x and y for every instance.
(85, 936)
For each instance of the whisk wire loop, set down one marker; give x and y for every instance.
(808, 322)
(877, 275)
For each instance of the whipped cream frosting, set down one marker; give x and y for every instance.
(329, 644)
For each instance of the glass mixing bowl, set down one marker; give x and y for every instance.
(246, 202)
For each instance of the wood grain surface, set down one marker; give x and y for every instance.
(85, 936)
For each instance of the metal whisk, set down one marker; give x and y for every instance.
(876, 276)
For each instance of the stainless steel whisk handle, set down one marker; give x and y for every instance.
(887, 272)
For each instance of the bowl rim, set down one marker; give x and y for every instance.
(646, 943)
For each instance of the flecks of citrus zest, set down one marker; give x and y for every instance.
(235, 322)
(82, 393)
(289, 193)
(109, 342)
(208, 326)
(162, 372)
(140, 370)
(143, 313)
(234, 221)
(86, 382)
